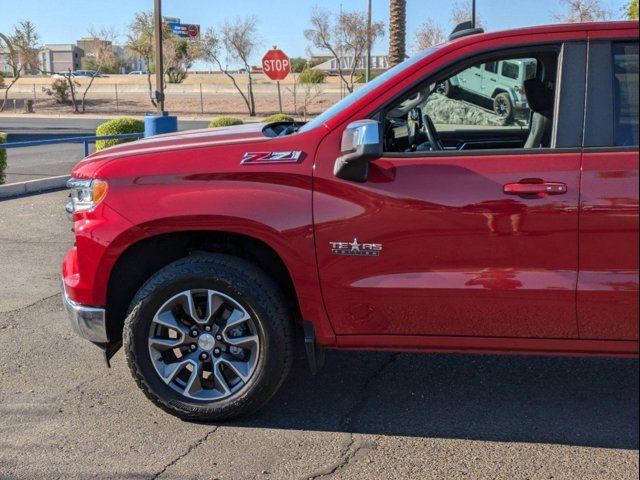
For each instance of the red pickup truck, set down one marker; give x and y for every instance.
(399, 219)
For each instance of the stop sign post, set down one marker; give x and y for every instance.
(277, 66)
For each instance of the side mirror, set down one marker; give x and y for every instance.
(361, 142)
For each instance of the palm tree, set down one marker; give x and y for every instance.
(397, 31)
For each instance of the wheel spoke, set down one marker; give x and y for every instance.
(170, 370)
(236, 318)
(164, 344)
(194, 385)
(186, 300)
(221, 382)
(243, 342)
(240, 368)
(214, 302)
(167, 319)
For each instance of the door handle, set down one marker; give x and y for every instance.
(539, 189)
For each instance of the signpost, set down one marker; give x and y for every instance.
(277, 66)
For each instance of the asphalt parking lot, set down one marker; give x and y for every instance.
(366, 415)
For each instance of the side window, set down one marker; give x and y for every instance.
(491, 67)
(510, 70)
(511, 109)
(625, 88)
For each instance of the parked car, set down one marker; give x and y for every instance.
(371, 227)
(501, 82)
(137, 72)
(89, 73)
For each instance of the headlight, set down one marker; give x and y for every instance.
(85, 194)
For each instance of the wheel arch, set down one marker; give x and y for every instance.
(142, 259)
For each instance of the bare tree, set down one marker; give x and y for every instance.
(461, 11)
(397, 31)
(428, 35)
(23, 47)
(240, 39)
(212, 52)
(101, 49)
(579, 11)
(345, 37)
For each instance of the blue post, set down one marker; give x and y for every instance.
(86, 148)
(159, 124)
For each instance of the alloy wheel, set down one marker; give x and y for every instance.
(204, 344)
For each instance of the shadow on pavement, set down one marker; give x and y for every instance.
(572, 401)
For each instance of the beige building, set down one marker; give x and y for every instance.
(56, 58)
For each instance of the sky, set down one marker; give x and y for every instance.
(280, 22)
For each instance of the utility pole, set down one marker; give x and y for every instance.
(368, 69)
(157, 21)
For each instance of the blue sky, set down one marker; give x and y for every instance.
(281, 22)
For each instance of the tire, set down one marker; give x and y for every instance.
(445, 88)
(209, 280)
(503, 107)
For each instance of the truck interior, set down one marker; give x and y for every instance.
(445, 114)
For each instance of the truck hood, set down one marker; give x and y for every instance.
(175, 141)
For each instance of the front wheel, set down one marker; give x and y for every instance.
(209, 337)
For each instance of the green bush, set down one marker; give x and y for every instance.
(277, 117)
(362, 77)
(225, 122)
(117, 127)
(3, 157)
(311, 76)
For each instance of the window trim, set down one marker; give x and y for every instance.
(498, 54)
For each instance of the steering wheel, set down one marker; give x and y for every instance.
(432, 133)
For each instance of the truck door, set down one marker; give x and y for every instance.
(608, 280)
(448, 242)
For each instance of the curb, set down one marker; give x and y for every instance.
(33, 186)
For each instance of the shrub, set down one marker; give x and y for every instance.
(225, 122)
(59, 90)
(1, 80)
(3, 157)
(277, 117)
(362, 77)
(117, 127)
(311, 76)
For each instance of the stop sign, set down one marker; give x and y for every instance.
(276, 65)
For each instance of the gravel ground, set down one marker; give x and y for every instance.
(366, 415)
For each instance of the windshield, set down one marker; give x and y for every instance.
(360, 93)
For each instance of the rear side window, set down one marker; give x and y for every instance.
(625, 88)
(491, 67)
(510, 70)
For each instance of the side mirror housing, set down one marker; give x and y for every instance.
(361, 142)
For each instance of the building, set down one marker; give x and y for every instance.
(61, 57)
(378, 63)
(91, 45)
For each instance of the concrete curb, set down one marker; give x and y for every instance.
(33, 186)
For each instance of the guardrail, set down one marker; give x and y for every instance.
(84, 140)
(52, 183)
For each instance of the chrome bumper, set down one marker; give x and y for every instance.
(87, 322)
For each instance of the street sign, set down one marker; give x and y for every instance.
(276, 65)
(185, 30)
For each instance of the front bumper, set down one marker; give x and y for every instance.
(87, 322)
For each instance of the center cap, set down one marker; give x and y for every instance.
(206, 341)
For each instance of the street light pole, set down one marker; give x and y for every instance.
(368, 70)
(157, 20)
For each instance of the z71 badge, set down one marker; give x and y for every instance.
(356, 248)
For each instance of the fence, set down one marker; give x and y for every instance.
(189, 98)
